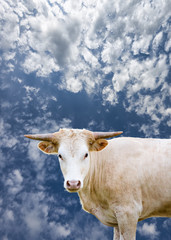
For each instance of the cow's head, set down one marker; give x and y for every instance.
(73, 148)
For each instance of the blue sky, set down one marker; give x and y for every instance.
(102, 65)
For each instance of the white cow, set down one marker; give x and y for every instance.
(120, 181)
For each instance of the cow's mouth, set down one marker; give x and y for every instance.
(72, 190)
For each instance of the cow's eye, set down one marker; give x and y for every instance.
(60, 156)
(86, 155)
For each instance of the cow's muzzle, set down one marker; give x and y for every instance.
(73, 185)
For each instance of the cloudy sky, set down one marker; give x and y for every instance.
(94, 64)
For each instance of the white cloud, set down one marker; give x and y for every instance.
(10, 28)
(168, 43)
(33, 222)
(42, 64)
(7, 139)
(167, 224)
(90, 58)
(120, 80)
(87, 40)
(31, 89)
(73, 85)
(35, 155)
(14, 182)
(53, 40)
(34, 213)
(5, 238)
(148, 230)
(141, 45)
(9, 215)
(59, 230)
(109, 95)
(150, 129)
(157, 40)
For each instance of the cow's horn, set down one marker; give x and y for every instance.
(98, 135)
(50, 137)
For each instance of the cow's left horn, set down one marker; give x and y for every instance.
(98, 135)
(50, 137)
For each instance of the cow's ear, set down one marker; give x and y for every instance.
(98, 145)
(48, 147)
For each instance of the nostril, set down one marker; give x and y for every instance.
(78, 184)
(68, 184)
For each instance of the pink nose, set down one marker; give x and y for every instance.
(73, 185)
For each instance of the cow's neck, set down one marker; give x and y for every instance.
(92, 193)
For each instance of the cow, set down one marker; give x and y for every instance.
(120, 181)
